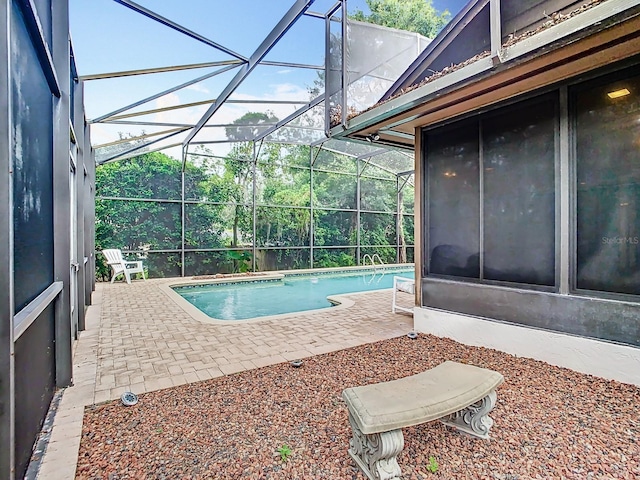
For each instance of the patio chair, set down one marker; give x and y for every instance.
(121, 266)
(405, 285)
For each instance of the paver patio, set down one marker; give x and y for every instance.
(138, 339)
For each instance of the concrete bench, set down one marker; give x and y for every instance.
(458, 395)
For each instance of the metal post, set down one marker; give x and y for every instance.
(343, 66)
(253, 205)
(182, 209)
(90, 217)
(358, 252)
(81, 177)
(420, 220)
(563, 210)
(311, 218)
(398, 219)
(496, 30)
(327, 73)
(61, 194)
(7, 394)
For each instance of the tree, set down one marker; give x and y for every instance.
(250, 125)
(412, 15)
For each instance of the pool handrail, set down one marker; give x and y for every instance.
(373, 259)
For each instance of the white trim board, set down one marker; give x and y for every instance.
(584, 355)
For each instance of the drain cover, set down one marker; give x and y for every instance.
(128, 399)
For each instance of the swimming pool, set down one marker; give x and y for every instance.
(293, 293)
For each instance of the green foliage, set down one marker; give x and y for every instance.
(412, 15)
(249, 125)
(433, 465)
(285, 452)
(131, 224)
(219, 213)
(241, 260)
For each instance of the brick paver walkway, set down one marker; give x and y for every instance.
(138, 339)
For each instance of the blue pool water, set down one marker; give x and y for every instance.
(240, 301)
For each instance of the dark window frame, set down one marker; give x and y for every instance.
(607, 75)
(478, 118)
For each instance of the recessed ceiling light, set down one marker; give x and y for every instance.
(619, 93)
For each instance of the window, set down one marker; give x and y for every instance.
(454, 201)
(519, 194)
(607, 151)
(491, 195)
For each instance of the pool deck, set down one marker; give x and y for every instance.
(138, 339)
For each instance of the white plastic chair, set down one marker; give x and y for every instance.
(121, 266)
(406, 285)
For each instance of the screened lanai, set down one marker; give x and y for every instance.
(215, 157)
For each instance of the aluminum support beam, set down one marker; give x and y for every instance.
(151, 150)
(311, 219)
(141, 137)
(62, 221)
(285, 23)
(7, 388)
(496, 30)
(90, 217)
(358, 213)
(81, 186)
(205, 102)
(254, 197)
(148, 71)
(171, 24)
(301, 111)
(327, 71)
(344, 113)
(183, 216)
(398, 217)
(138, 147)
(191, 66)
(164, 92)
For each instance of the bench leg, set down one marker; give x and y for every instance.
(376, 454)
(474, 419)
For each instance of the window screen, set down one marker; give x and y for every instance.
(453, 200)
(607, 150)
(518, 146)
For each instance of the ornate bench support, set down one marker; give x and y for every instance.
(378, 412)
(376, 453)
(474, 419)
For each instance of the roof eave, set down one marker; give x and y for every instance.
(526, 48)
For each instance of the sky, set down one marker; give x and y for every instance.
(109, 37)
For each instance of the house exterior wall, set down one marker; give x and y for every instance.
(37, 222)
(580, 309)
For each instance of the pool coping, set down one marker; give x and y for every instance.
(340, 301)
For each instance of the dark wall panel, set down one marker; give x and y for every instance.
(34, 383)
(32, 169)
(587, 317)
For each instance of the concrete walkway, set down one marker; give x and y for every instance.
(138, 339)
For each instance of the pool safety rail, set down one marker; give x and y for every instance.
(376, 261)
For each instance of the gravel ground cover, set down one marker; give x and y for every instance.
(550, 422)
